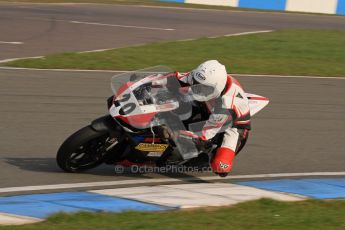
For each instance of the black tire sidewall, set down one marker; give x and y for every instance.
(73, 142)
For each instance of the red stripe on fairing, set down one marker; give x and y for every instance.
(203, 137)
(123, 88)
(188, 133)
(167, 75)
(205, 129)
(232, 102)
(237, 112)
(220, 125)
(258, 98)
(246, 114)
(140, 120)
(241, 122)
(179, 76)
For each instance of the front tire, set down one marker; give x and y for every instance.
(85, 149)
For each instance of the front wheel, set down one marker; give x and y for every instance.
(85, 149)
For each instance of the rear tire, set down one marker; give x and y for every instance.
(85, 149)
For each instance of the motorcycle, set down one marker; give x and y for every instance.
(146, 125)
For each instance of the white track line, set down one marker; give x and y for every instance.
(185, 40)
(163, 180)
(15, 59)
(248, 33)
(12, 43)
(122, 26)
(106, 49)
(95, 51)
(100, 24)
(229, 35)
(62, 70)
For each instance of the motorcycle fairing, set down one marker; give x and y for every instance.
(137, 105)
(256, 103)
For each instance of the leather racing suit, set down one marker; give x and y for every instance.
(228, 119)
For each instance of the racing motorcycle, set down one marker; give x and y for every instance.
(143, 127)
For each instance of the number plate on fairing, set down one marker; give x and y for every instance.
(147, 147)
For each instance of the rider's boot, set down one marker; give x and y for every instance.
(221, 162)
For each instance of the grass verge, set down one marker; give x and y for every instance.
(286, 52)
(261, 214)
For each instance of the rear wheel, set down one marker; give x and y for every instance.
(84, 150)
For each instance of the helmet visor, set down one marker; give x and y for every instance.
(203, 90)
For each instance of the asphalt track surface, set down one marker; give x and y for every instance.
(43, 29)
(302, 130)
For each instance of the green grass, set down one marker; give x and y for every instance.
(262, 214)
(286, 52)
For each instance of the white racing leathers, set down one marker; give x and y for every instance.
(224, 120)
(229, 115)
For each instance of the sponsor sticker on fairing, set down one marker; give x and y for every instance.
(223, 165)
(147, 147)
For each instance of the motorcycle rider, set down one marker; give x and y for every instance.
(228, 108)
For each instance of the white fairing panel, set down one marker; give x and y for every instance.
(256, 103)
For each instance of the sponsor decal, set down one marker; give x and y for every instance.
(147, 147)
(200, 76)
(223, 165)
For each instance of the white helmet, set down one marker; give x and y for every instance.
(208, 80)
